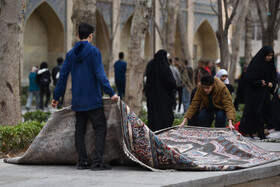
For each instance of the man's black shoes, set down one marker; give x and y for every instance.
(82, 165)
(100, 166)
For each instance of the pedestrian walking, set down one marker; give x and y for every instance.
(120, 72)
(159, 89)
(33, 89)
(84, 62)
(261, 81)
(43, 80)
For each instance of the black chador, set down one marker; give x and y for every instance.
(159, 92)
(257, 102)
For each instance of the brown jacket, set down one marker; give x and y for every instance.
(221, 99)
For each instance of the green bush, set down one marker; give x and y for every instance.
(38, 115)
(17, 138)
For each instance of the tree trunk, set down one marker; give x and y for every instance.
(172, 12)
(83, 11)
(222, 33)
(11, 44)
(237, 26)
(183, 36)
(136, 62)
(248, 37)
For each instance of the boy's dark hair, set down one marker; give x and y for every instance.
(85, 30)
(207, 80)
(121, 55)
(59, 60)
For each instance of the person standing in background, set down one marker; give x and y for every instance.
(261, 81)
(43, 80)
(120, 73)
(159, 89)
(33, 89)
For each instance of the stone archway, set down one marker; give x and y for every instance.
(124, 41)
(102, 40)
(43, 39)
(205, 43)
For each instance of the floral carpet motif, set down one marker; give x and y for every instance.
(189, 148)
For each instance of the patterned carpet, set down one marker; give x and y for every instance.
(129, 139)
(189, 148)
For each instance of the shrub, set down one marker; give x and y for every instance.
(38, 115)
(19, 137)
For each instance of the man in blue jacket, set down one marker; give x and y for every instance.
(120, 71)
(85, 64)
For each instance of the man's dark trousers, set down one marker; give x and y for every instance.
(206, 116)
(121, 88)
(99, 125)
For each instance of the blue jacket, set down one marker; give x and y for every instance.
(87, 75)
(33, 86)
(120, 70)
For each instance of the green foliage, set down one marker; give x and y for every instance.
(19, 137)
(144, 116)
(23, 94)
(178, 121)
(38, 115)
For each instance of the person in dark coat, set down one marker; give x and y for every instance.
(120, 71)
(241, 90)
(159, 92)
(43, 79)
(261, 81)
(274, 123)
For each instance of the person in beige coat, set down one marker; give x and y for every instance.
(214, 99)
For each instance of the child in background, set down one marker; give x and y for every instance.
(33, 89)
(223, 76)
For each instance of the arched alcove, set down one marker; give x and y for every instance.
(102, 40)
(43, 39)
(205, 43)
(124, 40)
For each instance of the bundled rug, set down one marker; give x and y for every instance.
(128, 138)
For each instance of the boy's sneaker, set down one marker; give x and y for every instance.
(82, 165)
(100, 166)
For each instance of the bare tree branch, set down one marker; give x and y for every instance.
(212, 7)
(226, 9)
(229, 19)
(260, 15)
(158, 29)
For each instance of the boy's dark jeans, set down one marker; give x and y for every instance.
(206, 116)
(99, 125)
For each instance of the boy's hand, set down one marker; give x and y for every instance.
(114, 98)
(231, 127)
(54, 103)
(183, 123)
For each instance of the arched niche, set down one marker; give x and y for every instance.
(43, 39)
(124, 41)
(205, 43)
(102, 40)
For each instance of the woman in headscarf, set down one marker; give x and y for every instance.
(261, 81)
(159, 92)
(223, 76)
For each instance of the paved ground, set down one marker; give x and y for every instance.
(66, 175)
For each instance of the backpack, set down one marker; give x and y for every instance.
(45, 79)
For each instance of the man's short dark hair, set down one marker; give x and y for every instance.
(177, 58)
(207, 80)
(85, 30)
(59, 60)
(121, 55)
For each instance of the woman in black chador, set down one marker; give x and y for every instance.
(261, 81)
(159, 92)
